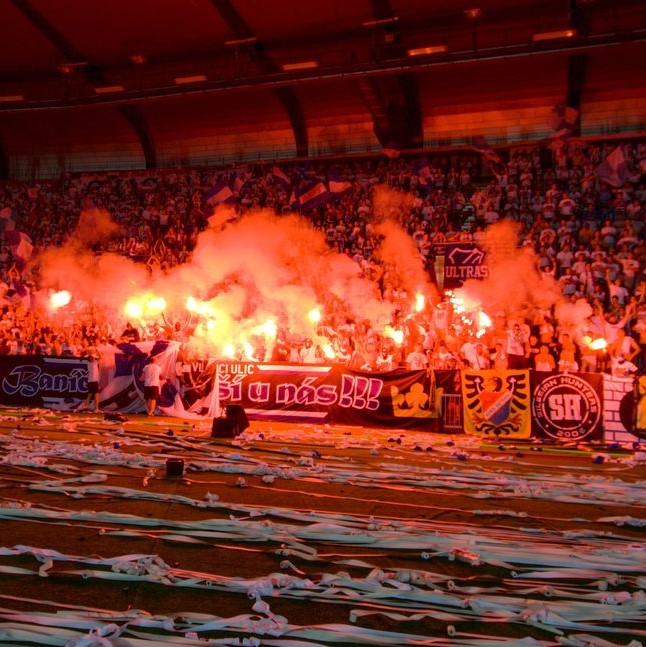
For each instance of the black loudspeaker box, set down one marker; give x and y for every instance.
(224, 428)
(237, 414)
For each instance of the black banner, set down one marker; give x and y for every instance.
(463, 261)
(334, 394)
(42, 381)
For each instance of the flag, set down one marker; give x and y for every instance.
(238, 185)
(18, 294)
(422, 171)
(312, 195)
(485, 149)
(563, 120)
(7, 219)
(337, 185)
(280, 177)
(20, 244)
(220, 193)
(392, 150)
(614, 169)
(563, 117)
(391, 153)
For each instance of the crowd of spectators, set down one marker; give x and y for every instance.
(586, 233)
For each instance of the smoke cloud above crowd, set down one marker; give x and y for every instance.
(251, 277)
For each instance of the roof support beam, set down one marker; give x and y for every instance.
(577, 66)
(49, 31)
(4, 159)
(577, 63)
(286, 95)
(94, 74)
(393, 101)
(138, 122)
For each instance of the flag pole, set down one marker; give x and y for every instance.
(214, 405)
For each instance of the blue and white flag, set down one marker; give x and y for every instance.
(422, 169)
(422, 173)
(312, 195)
(563, 120)
(20, 244)
(7, 219)
(220, 193)
(614, 169)
(280, 177)
(485, 149)
(238, 183)
(563, 117)
(337, 185)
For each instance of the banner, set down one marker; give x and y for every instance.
(60, 383)
(313, 393)
(463, 261)
(567, 406)
(332, 394)
(40, 381)
(496, 403)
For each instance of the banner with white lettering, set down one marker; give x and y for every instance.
(334, 394)
(313, 393)
(463, 261)
(567, 406)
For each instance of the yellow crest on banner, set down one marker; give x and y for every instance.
(416, 402)
(496, 403)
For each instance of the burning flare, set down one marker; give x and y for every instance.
(60, 299)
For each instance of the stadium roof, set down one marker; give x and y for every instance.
(156, 82)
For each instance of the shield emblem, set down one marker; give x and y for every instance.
(495, 406)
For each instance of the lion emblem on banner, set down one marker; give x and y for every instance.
(496, 402)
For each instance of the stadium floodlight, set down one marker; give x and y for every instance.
(107, 89)
(195, 78)
(301, 65)
(554, 35)
(423, 51)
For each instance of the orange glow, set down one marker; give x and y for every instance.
(328, 351)
(133, 309)
(60, 299)
(270, 328)
(145, 306)
(396, 335)
(484, 320)
(595, 344)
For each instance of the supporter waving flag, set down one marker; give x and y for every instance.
(20, 245)
(563, 118)
(337, 185)
(311, 195)
(485, 149)
(614, 169)
(422, 174)
(7, 219)
(220, 193)
(280, 177)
